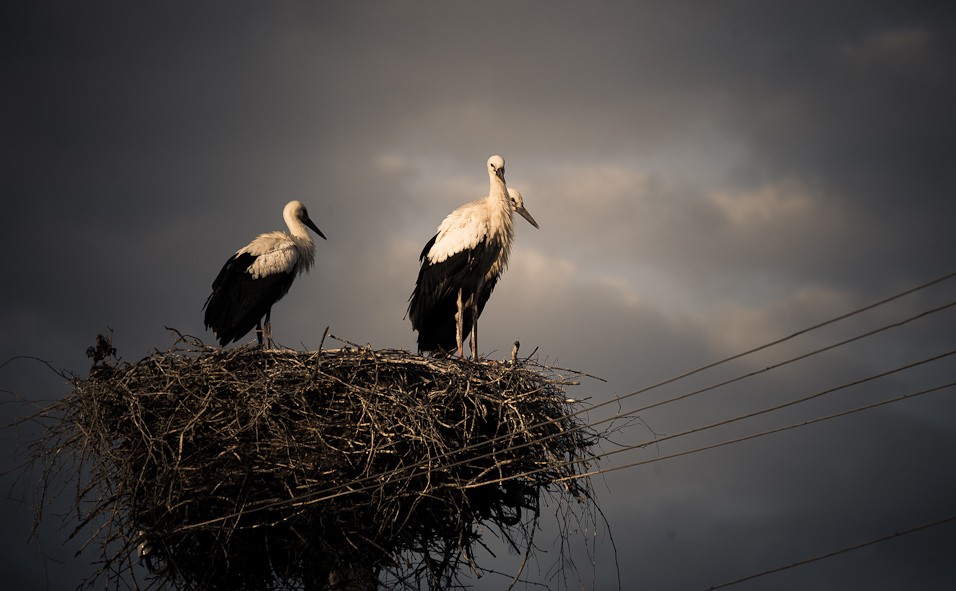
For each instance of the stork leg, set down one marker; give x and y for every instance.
(267, 329)
(259, 332)
(459, 327)
(474, 332)
(474, 319)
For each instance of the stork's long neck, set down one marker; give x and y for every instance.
(498, 194)
(502, 225)
(303, 243)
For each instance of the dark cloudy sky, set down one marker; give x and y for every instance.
(708, 177)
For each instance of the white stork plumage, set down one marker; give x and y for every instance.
(461, 265)
(257, 276)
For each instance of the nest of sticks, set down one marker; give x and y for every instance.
(334, 469)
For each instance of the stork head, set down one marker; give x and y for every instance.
(296, 213)
(517, 204)
(496, 167)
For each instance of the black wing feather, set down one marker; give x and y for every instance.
(238, 302)
(434, 303)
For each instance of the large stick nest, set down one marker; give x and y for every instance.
(248, 469)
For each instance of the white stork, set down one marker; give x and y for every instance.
(461, 265)
(257, 276)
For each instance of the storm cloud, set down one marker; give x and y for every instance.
(708, 177)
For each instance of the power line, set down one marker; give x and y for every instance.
(835, 552)
(762, 433)
(778, 406)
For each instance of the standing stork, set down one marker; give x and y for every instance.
(257, 276)
(461, 265)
